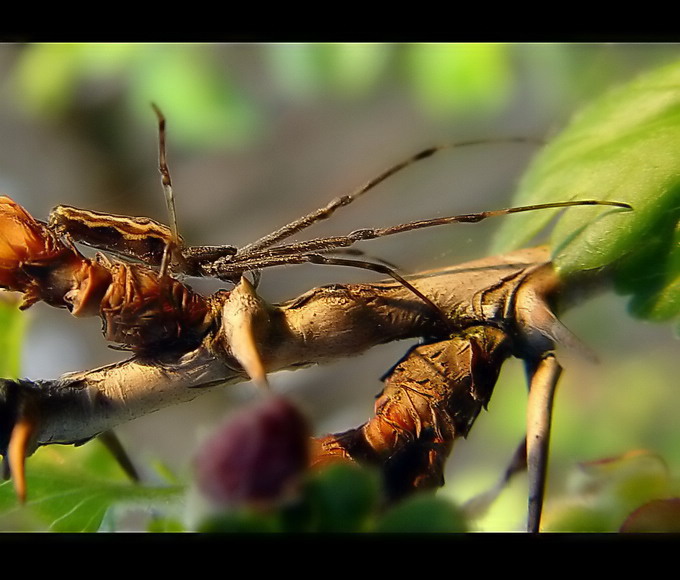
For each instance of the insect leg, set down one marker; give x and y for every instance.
(368, 257)
(382, 269)
(327, 211)
(330, 243)
(372, 233)
(166, 181)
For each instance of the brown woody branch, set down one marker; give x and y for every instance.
(496, 307)
(508, 292)
(432, 397)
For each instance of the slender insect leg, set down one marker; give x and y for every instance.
(166, 181)
(331, 243)
(544, 375)
(372, 233)
(355, 252)
(382, 269)
(327, 211)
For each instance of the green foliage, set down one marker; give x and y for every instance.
(423, 514)
(603, 494)
(206, 109)
(308, 70)
(624, 147)
(341, 498)
(47, 78)
(459, 78)
(83, 490)
(73, 489)
(446, 79)
(12, 328)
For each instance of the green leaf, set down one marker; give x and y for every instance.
(624, 147)
(423, 514)
(241, 521)
(72, 489)
(342, 498)
(12, 328)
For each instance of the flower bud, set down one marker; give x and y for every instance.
(257, 456)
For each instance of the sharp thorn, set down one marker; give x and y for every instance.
(22, 433)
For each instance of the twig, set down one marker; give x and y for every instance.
(431, 397)
(496, 307)
(321, 325)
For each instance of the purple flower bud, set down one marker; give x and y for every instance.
(256, 456)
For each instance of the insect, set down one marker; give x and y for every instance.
(158, 245)
(145, 308)
(140, 310)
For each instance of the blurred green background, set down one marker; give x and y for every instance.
(259, 134)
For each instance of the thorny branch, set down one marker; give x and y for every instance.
(184, 344)
(431, 397)
(509, 293)
(496, 307)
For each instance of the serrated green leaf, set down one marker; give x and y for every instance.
(67, 491)
(623, 147)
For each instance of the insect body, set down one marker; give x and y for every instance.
(140, 310)
(146, 311)
(134, 237)
(140, 238)
(161, 246)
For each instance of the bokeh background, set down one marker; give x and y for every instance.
(259, 134)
